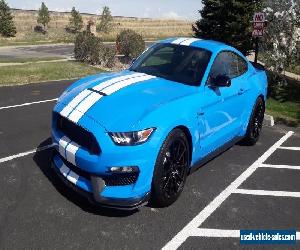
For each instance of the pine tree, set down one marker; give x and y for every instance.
(75, 21)
(227, 21)
(7, 27)
(106, 19)
(43, 16)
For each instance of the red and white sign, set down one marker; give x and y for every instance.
(258, 26)
(259, 17)
(258, 33)
(259, 20)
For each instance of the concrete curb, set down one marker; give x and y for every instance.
(268, 121)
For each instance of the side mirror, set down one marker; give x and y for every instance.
(221, 81)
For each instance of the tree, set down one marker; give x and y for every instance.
(130, 44)
(89, 48)
(227, 21)
(75, 21)
(106, 19)
(281, 43)
(7, 27)
(43, 16)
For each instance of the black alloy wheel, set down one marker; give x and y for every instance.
(255, 123)
(171, 169)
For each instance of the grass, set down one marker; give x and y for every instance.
(286, 112)
(284, 102)
(150, 29)
(10, 75)
(25, 60)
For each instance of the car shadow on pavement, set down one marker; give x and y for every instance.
(43, 161)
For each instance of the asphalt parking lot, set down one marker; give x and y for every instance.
(243, 188)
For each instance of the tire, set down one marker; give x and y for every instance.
(171, 169)
(255, 123)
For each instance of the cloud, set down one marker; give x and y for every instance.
(172, 15)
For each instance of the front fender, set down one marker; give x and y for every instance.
(169, 116)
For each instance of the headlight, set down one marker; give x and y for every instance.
(131, 138)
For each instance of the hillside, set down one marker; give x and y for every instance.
(25, 21)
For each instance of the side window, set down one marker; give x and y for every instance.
(225, 64)
(242, 64)
(219, 66)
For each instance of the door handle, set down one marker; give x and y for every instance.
(241, 91)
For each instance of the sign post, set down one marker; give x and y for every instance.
(259, 21)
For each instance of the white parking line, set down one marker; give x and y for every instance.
(28, 104)
(280, 166)
(267, 193)
(221, 233)
(290, 148)
(211, 207)
(12, 157)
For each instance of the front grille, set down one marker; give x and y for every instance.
(121, 179)
(78, 134)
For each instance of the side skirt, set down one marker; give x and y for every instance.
(214, 154)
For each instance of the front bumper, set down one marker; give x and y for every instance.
(93, 187)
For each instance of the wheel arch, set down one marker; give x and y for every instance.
(189, 137)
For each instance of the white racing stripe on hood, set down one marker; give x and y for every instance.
(68, 109)
(189, 41)
(85, 105)
(85, 93)
(113, 88)
(105, 84)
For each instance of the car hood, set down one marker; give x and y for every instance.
(120, 106)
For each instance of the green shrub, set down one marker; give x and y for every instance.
(277, 85)
(90, 49)
(130, 43)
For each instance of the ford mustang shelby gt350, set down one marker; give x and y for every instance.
(124, 138)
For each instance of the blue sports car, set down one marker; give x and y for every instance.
(125, 138)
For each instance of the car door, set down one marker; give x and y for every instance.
(221, 108)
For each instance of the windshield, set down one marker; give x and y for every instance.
(177, 63)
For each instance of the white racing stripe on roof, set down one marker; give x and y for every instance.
(111, 89)
(68, 109)
(189, 41)
(179, 40)
(84, 106)
(71, 150)
(63, 142)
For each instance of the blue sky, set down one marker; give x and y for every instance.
(139, 8)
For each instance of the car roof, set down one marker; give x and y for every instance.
(211, 45)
